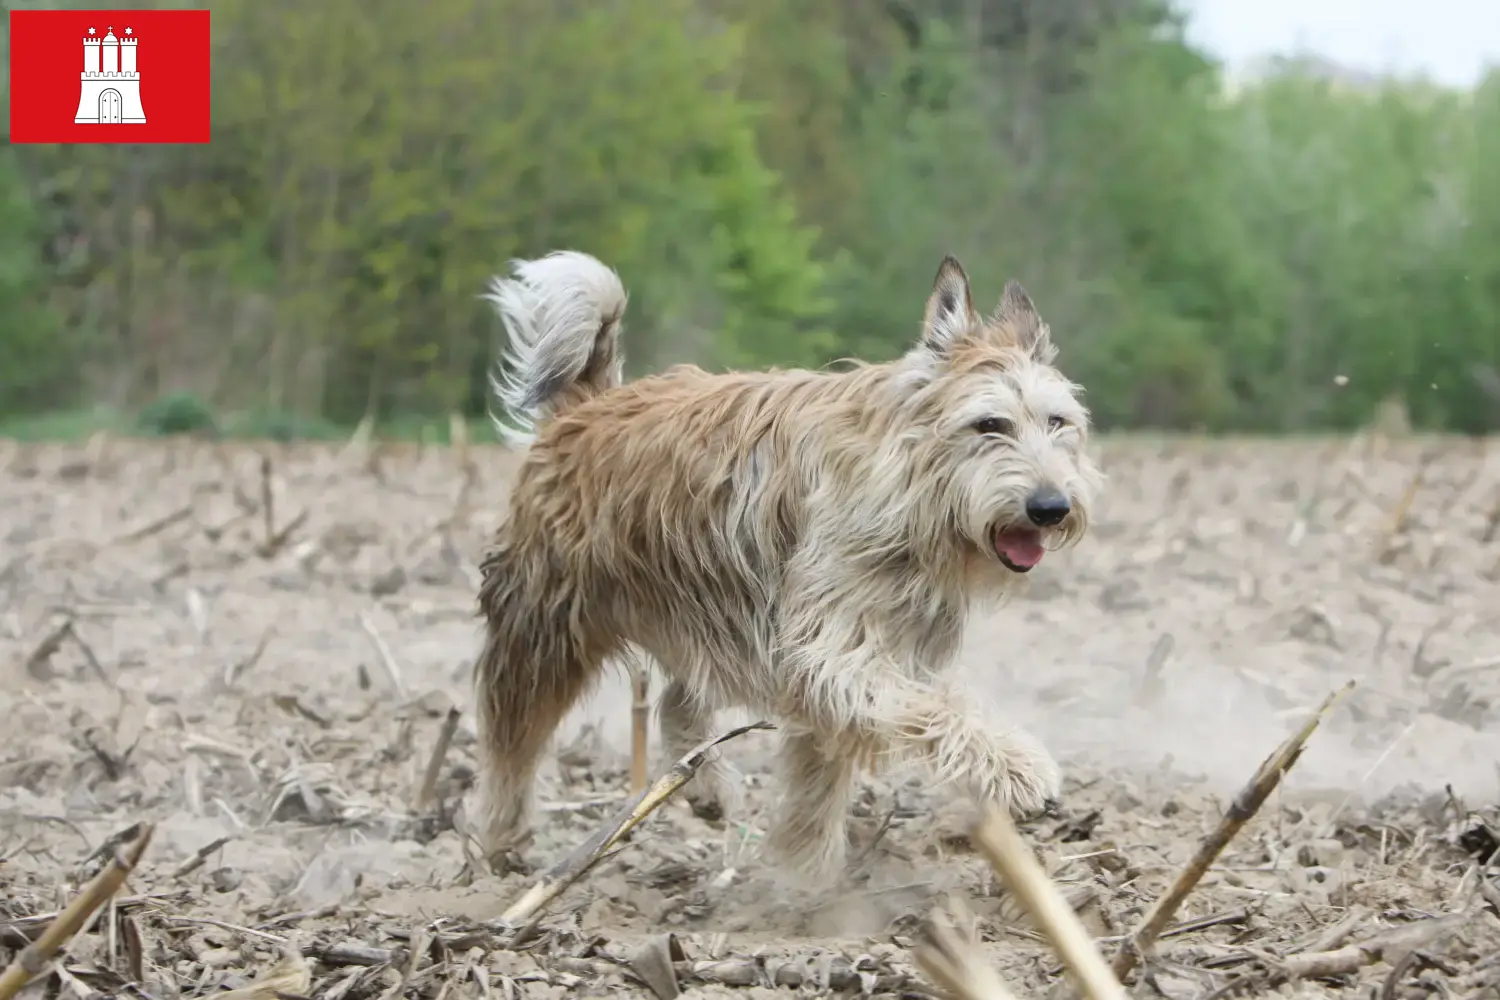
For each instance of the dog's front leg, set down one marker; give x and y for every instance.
(809, 832)
(1007, 768)
(882, 710)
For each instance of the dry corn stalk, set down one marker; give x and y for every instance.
(1245, 805)
(34, 958)
(577, 864)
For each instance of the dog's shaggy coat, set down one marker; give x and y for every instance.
(803, 544)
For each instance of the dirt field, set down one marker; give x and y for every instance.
(273, 713)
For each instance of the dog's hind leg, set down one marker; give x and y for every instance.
(685, 721)
(526, 679)
(809, 831)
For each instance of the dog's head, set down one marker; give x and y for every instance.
(1008, 452)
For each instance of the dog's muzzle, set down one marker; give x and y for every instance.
(1020, 547)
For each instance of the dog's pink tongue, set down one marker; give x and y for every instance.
(1021, 547)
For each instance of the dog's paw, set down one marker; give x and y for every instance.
(1026, 802)
(711, 793)
(708, 809)
(816, 858)
(1029, 781)
(508, 861)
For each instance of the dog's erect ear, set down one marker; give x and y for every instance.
(1018, 318)
(950, 312)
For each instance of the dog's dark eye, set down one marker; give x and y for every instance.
(994, 425)
(1056, 423)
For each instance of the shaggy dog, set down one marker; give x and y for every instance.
(802, 544)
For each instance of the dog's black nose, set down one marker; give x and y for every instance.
(1047, 506)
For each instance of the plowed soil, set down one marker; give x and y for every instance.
(267, 689)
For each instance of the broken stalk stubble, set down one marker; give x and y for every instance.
(1245, 805)
(33, 959)
(570, 869)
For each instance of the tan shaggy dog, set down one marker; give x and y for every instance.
(802, 544)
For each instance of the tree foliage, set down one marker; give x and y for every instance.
(776, 182)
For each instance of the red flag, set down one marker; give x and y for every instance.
(109, 76)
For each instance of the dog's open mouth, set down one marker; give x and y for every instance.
(1019, 549)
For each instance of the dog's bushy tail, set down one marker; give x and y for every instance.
(562, 316)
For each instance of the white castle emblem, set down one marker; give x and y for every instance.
(111, 84)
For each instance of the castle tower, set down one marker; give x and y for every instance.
(127, 53)
(111, 84)
(111, 52)
(91, 53)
